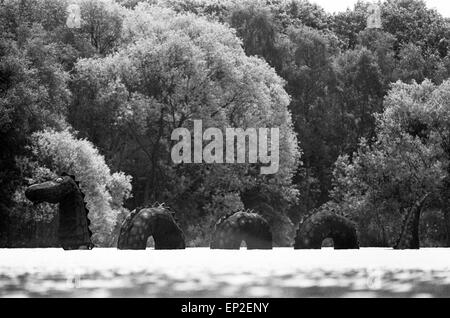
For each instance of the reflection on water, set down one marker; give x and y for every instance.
(200, 272)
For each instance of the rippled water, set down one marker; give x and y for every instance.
(201, 272)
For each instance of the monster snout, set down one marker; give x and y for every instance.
(43, 192)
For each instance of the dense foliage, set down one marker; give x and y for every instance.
(408, 160)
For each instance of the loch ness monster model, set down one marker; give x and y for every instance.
(158, 221)
(73, 231)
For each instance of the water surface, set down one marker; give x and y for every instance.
(201, 272)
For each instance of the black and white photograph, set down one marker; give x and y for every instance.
(224, 153)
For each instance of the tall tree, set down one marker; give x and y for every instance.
(177, 68)
(255, 26)
(383, 184)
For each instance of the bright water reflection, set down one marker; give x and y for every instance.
(201, 272)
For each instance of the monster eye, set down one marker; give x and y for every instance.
(59, 180)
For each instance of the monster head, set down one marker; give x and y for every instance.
(52, 191)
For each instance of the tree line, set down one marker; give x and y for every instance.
(362, 112)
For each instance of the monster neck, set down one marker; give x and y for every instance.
(73, 219)
(72, 206)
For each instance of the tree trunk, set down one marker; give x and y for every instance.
(409, 236)
(447, 225)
